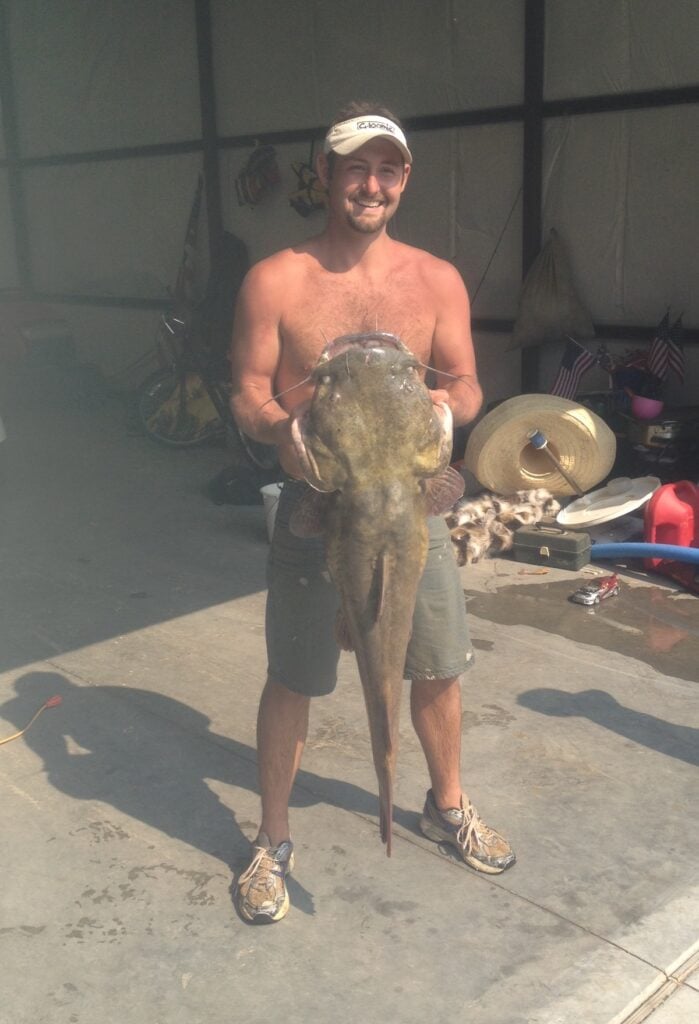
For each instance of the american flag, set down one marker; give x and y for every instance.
(576, 361)
(185, 285)
(675, 354)
(659, 351)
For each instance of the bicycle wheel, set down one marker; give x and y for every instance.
(256, 454)
(175, 409)
(264, 456)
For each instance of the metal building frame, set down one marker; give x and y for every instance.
(532, 113)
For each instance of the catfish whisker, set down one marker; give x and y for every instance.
(443, 373)
(309, 378)
(287, 390)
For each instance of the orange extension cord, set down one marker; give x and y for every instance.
(52, 702)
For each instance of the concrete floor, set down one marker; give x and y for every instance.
(127, 810)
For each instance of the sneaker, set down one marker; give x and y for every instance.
(260, 895)
(480, 846)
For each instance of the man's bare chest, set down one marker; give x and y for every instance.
(329, 309)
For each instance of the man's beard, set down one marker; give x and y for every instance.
(368, 227)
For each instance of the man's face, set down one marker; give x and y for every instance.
(365, 187)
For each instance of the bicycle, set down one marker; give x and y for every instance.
(187, 401)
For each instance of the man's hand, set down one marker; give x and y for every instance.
(440, 395)
(286, 450)
(463, 396)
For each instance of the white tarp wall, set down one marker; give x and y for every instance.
(621, 188)
(100, 74)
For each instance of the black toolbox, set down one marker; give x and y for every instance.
(547, 543)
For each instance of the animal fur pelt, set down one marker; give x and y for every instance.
(485, 524)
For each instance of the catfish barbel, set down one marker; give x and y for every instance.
(374, 442)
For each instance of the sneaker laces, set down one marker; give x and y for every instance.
(253, 866)
(472, 824)
(261, 852)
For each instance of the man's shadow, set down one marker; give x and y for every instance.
(679, 741)
(150, 757)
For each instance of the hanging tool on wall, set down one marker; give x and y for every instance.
(258, 177)
(310, 194)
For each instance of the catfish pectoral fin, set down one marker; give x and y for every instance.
(443, 491)
(307, 519)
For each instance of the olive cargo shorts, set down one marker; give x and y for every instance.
(302, 604)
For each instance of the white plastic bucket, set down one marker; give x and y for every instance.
(270, 499)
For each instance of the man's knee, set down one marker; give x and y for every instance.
(429, 685)
(424, 692)
(276, 691)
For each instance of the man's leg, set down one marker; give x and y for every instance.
(435, 706)
(299, 621)
(282, 725)
(439, 651)
(301, 652)
(449, 816)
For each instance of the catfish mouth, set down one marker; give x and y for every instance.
(371, 340)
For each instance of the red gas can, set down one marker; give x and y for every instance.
(672, 517)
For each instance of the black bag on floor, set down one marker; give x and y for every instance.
(240, 485)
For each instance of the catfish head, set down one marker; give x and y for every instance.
(369, 408)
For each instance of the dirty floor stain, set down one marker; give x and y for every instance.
(656, 626)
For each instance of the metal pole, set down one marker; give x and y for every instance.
(15, 180)
(538, 441)
(207, 102)
(532, 159)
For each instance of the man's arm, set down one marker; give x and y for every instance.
(255, 354)
(452, 346)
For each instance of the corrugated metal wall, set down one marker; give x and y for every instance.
(100, 76)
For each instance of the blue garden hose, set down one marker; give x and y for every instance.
(638, 550)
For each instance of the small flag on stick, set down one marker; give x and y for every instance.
(658, 354)
(675, 356)
(576, 361)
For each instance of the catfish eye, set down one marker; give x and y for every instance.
(325, 379)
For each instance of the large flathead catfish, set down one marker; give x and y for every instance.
(372, 437)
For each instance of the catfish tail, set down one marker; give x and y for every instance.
(386, 811)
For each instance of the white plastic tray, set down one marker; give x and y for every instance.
(620, 496)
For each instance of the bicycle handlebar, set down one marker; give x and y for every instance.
(170, 320)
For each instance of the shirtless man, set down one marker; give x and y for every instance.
(352, 278)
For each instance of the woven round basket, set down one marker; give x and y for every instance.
(501, 458)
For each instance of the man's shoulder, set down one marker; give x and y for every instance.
(274, 275)
(285, 261)
(427, 264)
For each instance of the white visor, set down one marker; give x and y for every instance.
(345, 137)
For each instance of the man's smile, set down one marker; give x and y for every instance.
(368, 204)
